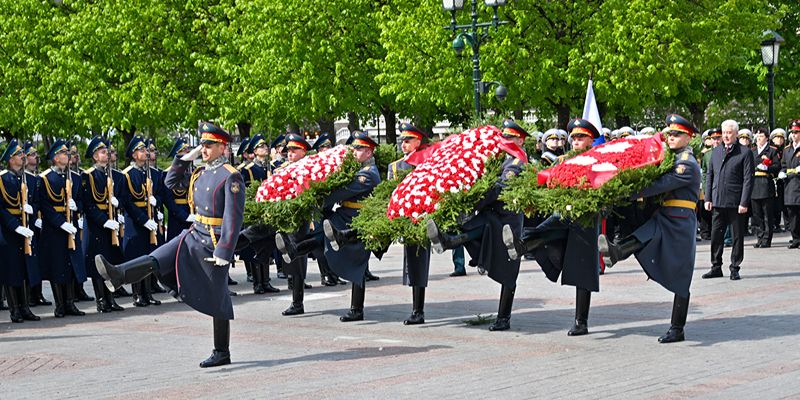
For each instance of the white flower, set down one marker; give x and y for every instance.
(614, 147)
(582, 160)
(604, 167)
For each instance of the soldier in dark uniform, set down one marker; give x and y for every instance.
(76, 175)
(161, 195)
(777, 139)
(672, 227)
(351, 260)
(550, 151)
(140, 203)
(768, 165)
(35, 296)
(791, 183)
(241, 153)
(194, 265)
(119, 183)
(62, 263)
(177, 200)
(563, 247)
(482, 232)
(19, 267)
(324, 142)
(102, 227)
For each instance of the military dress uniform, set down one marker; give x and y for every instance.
(99, 235)
(763, 197)
(140, 207)
(194, 265)
(482, 232)
(791, 187)
(672, 227)
(61, 265)
(177, 200)
(20, 268)
(35, 296)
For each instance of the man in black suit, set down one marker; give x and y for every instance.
(729, 184)
(768, 164)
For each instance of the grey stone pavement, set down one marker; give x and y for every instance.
(742, 341)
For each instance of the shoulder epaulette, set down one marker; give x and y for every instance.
(43, 174)
(231, 168)
(89, 170)
(3, 172)
(366, 168)
(240, 166)
(126, 170)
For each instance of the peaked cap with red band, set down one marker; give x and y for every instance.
(676, 123)
(211, 133)
(580, 126)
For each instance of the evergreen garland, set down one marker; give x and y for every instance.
(523, 194)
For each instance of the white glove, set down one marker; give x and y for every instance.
(72, 205)
(111, 224)
(220, 262)
(69, 228)
(782, 175)
(761, 167)
(27, 233)
(153, 201)
(121, 219)
(80, 222)
(38, 223)
(114, 201)
(192, 155)
(191, 218)
(28, 209)
(160, 215)
(151, 225)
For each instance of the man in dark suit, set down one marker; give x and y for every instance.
(729, 184)
(768, 164)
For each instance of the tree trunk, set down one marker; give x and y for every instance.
(127, 135)
(391, 124)
(622, 120)
(353, 123)
(563, 111)
(325, 125)
(518, 114)
(244, 129)
(292, 127)
(698, 111)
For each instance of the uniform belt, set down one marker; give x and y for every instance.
(181, 201)
(140, 204)
(680, 203)
(60, 209)
(102, 206)
(352, 204)
(761, 173)
(208, 220)
(14, 211)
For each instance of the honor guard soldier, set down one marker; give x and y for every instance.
(63, 262)
(35, 296)
(324, 142)
(141, 212)
(241, 153)
(482, 231)
(351, 260)
(19, 267)
(768, 165)
(551, 150)
(177, 200)
(672, 227)
(571, 249)
(256, 170)
(777, 140)
(100, 202)
(76, 174)
(195, 264)
(791, 182)
(278, 152)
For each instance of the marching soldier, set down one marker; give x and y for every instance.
(140, 204)
(324, 142)
(352, 260)
(672, 227)
(768, 165)
(482, 233)
(62, 263)
(102, 228)
(571, 249)
(195, 264)
(17, 247)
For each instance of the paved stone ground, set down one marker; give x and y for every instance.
(742, 341)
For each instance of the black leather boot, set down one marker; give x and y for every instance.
(2, 299)
(147, 291)
(258, 280)
(24, 308)
(418, 306)
(80, 294)
(614, 252)
(356, 312)
(517, 247)
(268, 288)
(680, 309)
(298, 291)
(13, 304)
(69, 302)
(336, 237)
(441, 241)
(714, 272)
(154, 286)
(109, 298)
(503, 321)
(370, 276)
(59, 296)
(139, 300)
(222, 338)
(37, 298)
(131, 271)
(100, 296)
(583, 299)
(121, 292)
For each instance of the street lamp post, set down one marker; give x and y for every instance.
(475, 34)
(769, 57)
